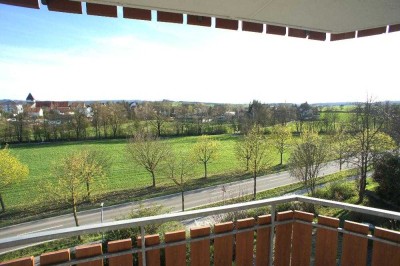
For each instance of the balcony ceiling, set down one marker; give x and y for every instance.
(333, 16)
(304, 18)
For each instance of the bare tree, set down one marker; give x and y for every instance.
(205, 151)
(281, 139)
(180, 171)
(309, 155)
(367, 139)
(148, 151)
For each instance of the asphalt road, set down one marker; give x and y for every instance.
(193, 198)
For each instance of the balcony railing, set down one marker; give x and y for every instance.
(283, 238)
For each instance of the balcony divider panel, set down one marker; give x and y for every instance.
(175, 255)
(283, 239)
(120, 245)
(152, 256)
(200, 250)
(354, 249)
(385, 254)
(262, 242)
(302, 236)
(244, 243)
(327, 242)
(223, 246)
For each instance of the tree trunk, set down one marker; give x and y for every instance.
(75, 214)
(154, 178)
(3, 206)
(88, 189)
(255, 185)
(205, 170)
(76, 218)
(183, 201)
(281, 158)
(247, 164)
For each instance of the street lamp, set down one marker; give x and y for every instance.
(102, 215)
(102, 218)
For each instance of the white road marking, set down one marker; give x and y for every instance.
(45, 229)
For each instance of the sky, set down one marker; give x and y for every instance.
(59, 56)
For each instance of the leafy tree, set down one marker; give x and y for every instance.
(387, 174)
(205, 151)
(116, 117)
(281, 139)
(180, 171)
(11, 171)
(148, 151)
(341, 146)
(96, 165)
(79, 123)
(71, 186)
(259, 159)
(367, 140)
(309, 155)
(243, 151)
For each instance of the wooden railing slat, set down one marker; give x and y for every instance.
(244, 243)
(354, 249)
(262, 242)
(120, 245)
(223, 246)
(302, 236)
(385, 254)
(175, 255)
(327, 242)
(200, 250)
(283, 240)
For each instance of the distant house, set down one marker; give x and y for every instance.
(35, 112)
(43, 104)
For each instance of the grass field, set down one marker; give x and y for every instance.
(125, 175)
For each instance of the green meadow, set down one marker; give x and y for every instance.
(126, 180)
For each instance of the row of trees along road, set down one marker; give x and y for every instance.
(368, 134)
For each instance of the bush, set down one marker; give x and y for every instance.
(387, 175)
(338, 191)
